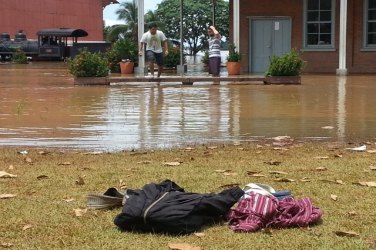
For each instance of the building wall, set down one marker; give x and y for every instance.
(33, 15)
(358, 60)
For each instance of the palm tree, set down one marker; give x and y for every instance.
(151, 17)
(127, 12)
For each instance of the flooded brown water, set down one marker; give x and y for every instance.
(40, 106)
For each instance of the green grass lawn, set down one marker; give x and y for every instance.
(50, 185)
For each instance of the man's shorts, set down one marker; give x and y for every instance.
(151, 56)
(214, 65)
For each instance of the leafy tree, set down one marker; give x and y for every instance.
(196, 17)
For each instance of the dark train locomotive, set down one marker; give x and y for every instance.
(52, 44)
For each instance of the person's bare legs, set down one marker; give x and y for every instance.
(160, 69)
(151, 67)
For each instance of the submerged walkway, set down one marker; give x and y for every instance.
(188, 80)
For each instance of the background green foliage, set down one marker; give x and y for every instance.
(289, 64)
(19, 56)
(88, 64)
(122, 49)
(197, 16)
(233, 54)
(172, 59)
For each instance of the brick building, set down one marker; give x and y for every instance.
(335, 36)
(33, 15)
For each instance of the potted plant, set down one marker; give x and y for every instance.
(126, 66)
(123, 56)
(285, 69)
(233, 61)
(89, 68)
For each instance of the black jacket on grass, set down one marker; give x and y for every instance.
(167, 208)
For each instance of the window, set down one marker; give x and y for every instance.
(370, 23)
(319, 24)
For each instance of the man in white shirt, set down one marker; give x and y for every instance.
(156, 44)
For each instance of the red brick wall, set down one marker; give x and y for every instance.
(33, 15)
(358, 61)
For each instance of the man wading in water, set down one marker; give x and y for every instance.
(214, 51)
(154, 39)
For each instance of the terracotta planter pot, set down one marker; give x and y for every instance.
(283, 80)
(91, 81)
(233, 68)
(126, 67)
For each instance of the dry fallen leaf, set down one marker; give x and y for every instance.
(275, 163)
(172, 164)
(278, 148)
(182, 246)
(371, 151)
(230, 173)
(334, 197)
(80, 181)
(321, 157)
(40, 177)
(122, 184)
(67, 163)
(6, 196)
(222, 170)
(11, 167)
(144, 162)
(28, 226)
(352, 213)
(284, 180)
(305, 179)
(229, 185)
(94, 153)
(28, 160)
(321, 169)
(367, 183)
(4, 174)
(277, 172)
(257, 175)
(281, 138)
(340, 182)
(327, 127)
(43, 152)
(346, 234)
(212, 147)
(6, 245)
(199, 234)
(372, 167)
(249, 172)
(79, 212)
(69, 200)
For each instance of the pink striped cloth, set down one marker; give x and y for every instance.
(260, 211)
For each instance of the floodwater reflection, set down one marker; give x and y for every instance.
(40, 106)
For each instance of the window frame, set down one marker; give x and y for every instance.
(366, 46)
(319, 47)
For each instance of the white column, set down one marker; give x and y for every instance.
(141, 59)
(342, 70)
(181, 68)
(236, 23)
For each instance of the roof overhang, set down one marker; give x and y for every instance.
(107, 2)
(64, 32)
